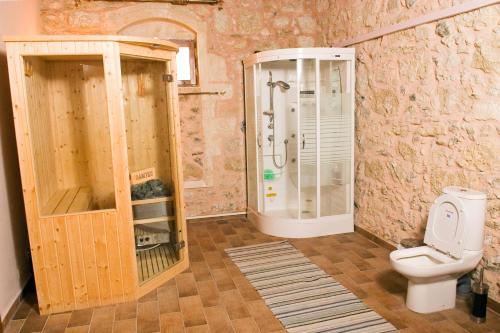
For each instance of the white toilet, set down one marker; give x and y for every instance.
(454, 246)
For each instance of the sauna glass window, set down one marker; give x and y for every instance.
(187, 63)
(147, 109)
(69, 132)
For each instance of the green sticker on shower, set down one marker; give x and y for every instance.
(269, 174)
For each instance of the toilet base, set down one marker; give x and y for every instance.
(431, 297)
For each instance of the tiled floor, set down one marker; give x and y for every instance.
(213, 296)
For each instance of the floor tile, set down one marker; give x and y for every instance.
(125, 326)
(192, 311)
(168, 299)
(34, 323)
(23, 310)
(56, 323)
(14, 326)
(148, 317)
(186, 285)
(218, 320)
(234, 304)
(102, 320)
(209, 293)
(223, 279)
(80, 317)
(77, 329)
(264, 317)
(245, 325)
(171, 322)
(126, 311)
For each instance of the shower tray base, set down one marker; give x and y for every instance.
(301, 228)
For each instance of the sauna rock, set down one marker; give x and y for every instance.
(148, 190)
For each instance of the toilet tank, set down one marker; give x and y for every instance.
(475, 211)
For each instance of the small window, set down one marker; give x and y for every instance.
(187, 63)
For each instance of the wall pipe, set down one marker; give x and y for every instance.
(424, 19)
(175, 2)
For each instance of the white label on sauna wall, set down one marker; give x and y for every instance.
(142, 176)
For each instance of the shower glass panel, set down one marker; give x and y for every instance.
(335, 138)
(300, 132)
(308, 134)
(278, 131)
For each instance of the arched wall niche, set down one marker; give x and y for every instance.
(159, 27)
(174, 31)
(156, 21)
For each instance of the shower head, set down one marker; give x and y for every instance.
(282, 85)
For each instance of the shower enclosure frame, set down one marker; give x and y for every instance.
(298, 227)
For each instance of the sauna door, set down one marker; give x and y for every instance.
(152, 165)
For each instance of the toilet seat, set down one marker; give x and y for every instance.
(426, 262)
(445, 226)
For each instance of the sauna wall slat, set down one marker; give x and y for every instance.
(114, 254)
(89, 258)
(102, 264)
(52, 264)
(64, 261)
(77, 261)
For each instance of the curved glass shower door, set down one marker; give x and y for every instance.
(300, 136)
(308, 156)
(335, 161)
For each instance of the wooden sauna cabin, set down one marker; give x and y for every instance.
(90, 112)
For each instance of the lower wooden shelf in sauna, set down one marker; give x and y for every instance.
(71, 200)
(155, 261)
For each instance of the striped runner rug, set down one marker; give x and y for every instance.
(300, 294)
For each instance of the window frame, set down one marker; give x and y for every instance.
(193, 62)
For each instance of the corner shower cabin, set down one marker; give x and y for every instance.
(300, 132)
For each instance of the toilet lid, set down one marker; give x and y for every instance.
(445, 226)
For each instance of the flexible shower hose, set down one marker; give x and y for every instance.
(274, 153)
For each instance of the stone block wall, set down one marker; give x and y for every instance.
(213, 144)
(427, 114)
(427, 100)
